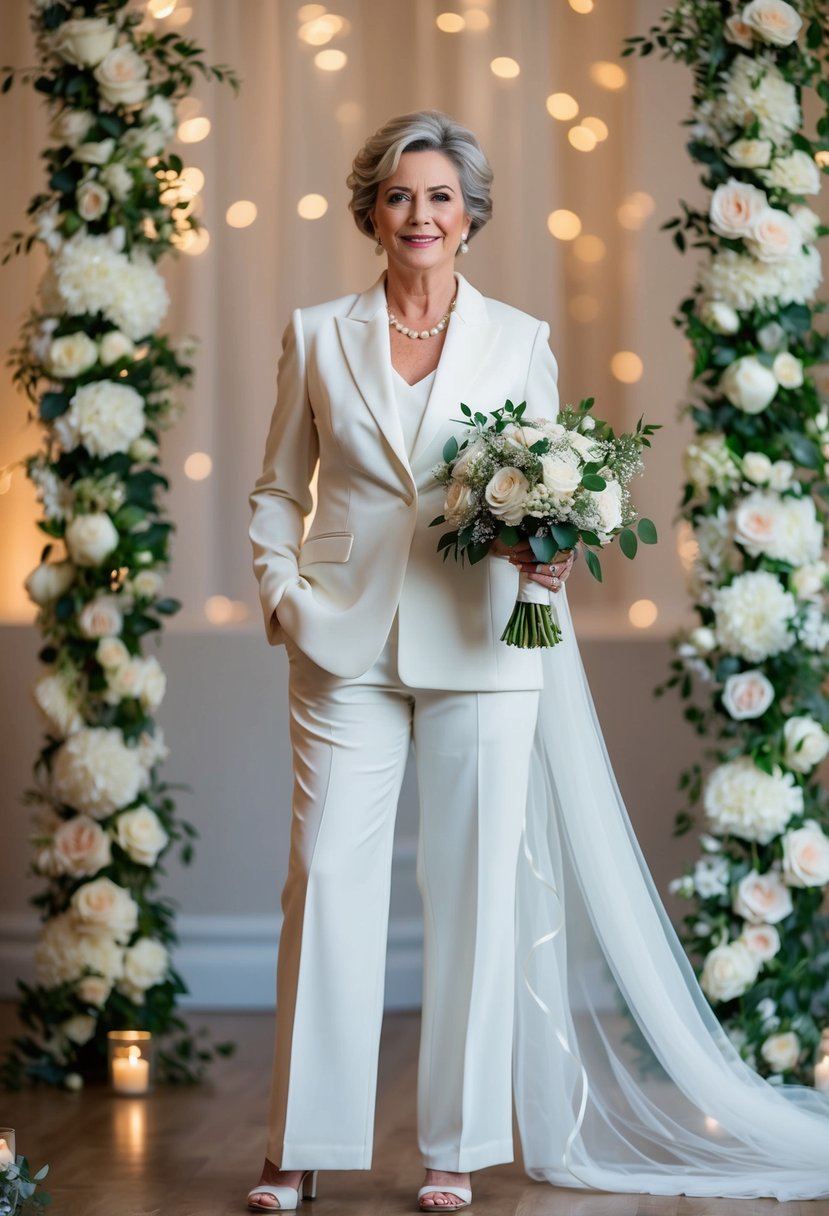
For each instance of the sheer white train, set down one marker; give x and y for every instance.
(624, 1078)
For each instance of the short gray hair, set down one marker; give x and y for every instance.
(422, 131)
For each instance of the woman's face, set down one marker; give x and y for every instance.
(419, 215)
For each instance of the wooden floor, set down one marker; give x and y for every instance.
(195, 1152)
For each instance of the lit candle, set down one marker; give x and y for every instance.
(822, 1075)
(6, 1154)
(131, 1074)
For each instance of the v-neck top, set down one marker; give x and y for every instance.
(412, 400)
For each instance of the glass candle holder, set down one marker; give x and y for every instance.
(130, 1061)
(7, 1147)
(822, 1065)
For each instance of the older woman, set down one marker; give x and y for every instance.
(388, 645)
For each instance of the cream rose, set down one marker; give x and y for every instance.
(78, 1029)
(90, 539)
(49, 581)
(774, 236)
(101, 617)
(101, 906)
(143, 449)
(506, 495)
(124, 680)
(85, 41)
(762, 898)
(111, 652)
(749, 385)
(749, 153)
(92, 201)
(762, 940)
(71, 355)
(609, 504)
(146, 963)
(758, 523)
(807, 220)
(729, 970)
(797, 173)
(757, 468)
(147, 584)
(735, 206)
(806, 856)
(459, 505)
(788, 370)
(561, 477)
(720, 318)
(771, 336)
(122, 75)
(739, 32)
(774, 21)
(808, 582)
(806, 744)
(80, 847)
(95, 153)
(71, 126)
(140, 835)
(782, 473)
(703, 641)
(781, 1051)
(748, 694)
(115, 346)
(522, 436)
(94, 990)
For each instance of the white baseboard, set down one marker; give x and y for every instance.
(227, 962)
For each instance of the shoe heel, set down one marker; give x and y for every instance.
(309, 1185)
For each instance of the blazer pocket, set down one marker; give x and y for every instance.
(326, 547)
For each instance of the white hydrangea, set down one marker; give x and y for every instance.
(96, 773)
(103, 416)
(711, 876)
(813, 630)
(91, 276)
(140, 302)
(53, 494)
(743, 281)
(741, 800)
(714, 536)
(755, 90)
(753, 614)
(58, 958)
(708, 463)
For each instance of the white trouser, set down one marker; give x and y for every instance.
(350, 742)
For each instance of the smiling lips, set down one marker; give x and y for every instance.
(419, 240)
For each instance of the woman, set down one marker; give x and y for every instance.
(388, 644)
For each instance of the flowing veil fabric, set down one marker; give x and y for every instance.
(624, 1078)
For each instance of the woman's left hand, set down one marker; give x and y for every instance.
(553, 574)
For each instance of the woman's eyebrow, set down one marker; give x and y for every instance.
(389, 189)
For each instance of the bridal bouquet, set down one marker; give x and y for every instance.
(555, 484)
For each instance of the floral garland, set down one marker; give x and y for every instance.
(754, 670)
(101, 379)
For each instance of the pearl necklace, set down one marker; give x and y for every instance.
(423, 333)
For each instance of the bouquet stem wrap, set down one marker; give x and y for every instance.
(534, 622)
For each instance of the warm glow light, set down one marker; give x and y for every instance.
(330, 61)
(589, 248)
(241, 214)
(582, 138)
(635, 210)
(450, 23)
(321, 29)
(194, 130)
(562, 106)
(348, 112)
(476, 19)
(309, 12)
(198, 465)
(563, 224)
(822, 157)
(581, 6)
(312, 206)
(687, 546)
(191, 181)
(505, 67)
(643, 613)
(220, 610)
(608, 75)
(193, 241)
(160, 8)
(595, 125)
(627, 366)
(583, 308)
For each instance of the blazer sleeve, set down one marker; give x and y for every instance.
(541, 391)
(281, 498)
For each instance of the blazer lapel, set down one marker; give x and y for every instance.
(470, 337)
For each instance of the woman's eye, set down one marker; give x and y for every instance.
(397, 197)
(440, 198)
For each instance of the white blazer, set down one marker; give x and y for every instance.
(370, 551)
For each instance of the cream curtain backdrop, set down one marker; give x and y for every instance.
(293, 131)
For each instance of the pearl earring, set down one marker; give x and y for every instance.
(378, 248)
(464, 247)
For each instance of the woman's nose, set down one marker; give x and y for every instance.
(419, 212)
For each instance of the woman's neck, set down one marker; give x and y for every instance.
(419, 297)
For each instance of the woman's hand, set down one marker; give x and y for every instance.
(552, 574)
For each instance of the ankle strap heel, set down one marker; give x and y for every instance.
(309, 1185)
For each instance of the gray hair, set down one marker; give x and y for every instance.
(422, 131)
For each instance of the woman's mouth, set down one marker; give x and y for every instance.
(419, 242)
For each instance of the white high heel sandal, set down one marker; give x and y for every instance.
(460, 1192)
(285, 1196)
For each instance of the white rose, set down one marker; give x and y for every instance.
(78, 1029)
(80, 847)
(118, 180)
(57, 700)
(160, 112)
(94, 990)
(101, 906)
(459, 505)
(115, 346)
(92, 201)
(729, 971)
(782, 472)
(774, 21)
(762, 898)
(71, 355)
(809, 581)
(140, 835)
(49, 581)
(152, 748)
(143, 449)
(111, 652)
(95, 772)
(739, 32)
(771, 336)
(749, 385)
(762, 940)
(101, 954)
(798, 173)
(506, 494)
(124, 681)
(587, 448)
(146, 963)
(774, 236)
(748, 694)
(103, 416)
(95, 153)
(749, 153)
(703, 640)
(788, 370)
(147, 584)
(758, 523)
(807, 220)
(153, 685)
(757, 467)
(806, 856)
(741, 800)
(562, 477)
(101, 617)
(90, 539)
(70, 126)
(735, 206)
(122, 75)
(85, 41)
(720, 318)
(781, 1051)
(609, 504)
(806, 744)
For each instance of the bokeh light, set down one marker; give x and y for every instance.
(582, 139)
(589, 248)
(643, 613)
(581, 6)
(309, 12)
(160, 8)
(330, 61)
(241, 214)
(627, 366)
(608, 75)
(635, 210)
(687, 545)
(197, 466)
(505, 68)
(220, 610)
(476, 19)
(450, 23)
(193, 241)
(596, 125)
(194, 130)
(320, 30)
(564, 225)
(562, 106)
(312, 206)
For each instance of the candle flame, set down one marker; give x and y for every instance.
(134, 1055)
